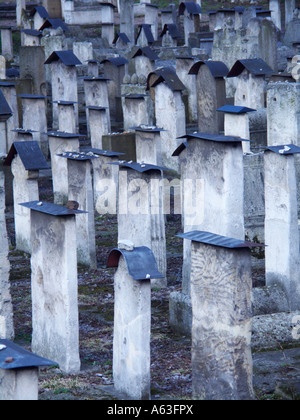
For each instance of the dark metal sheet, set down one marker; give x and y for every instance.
(64, 102)
(233, 109)
(288, 149)
(31, 96)
(20, 358)
(4, 106)
(172, 29)
(96, 108)
(116, 61)
(139, 167)
(146, 129)
(147, 52)
(30, 155)
(23, 131)
(190, 6)
(123, 37)
(68, 58)
(141, 263)
(41, 11)
(64, 135)
(255, 66)
(80, 156)
(167, 75)
(101, 152)
(55, 23)
(209, 238)
(148, 32)
(32, 32)
(217, 68)
(96, 79)
(51, 209)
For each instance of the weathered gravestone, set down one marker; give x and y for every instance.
(19, 372)
(132, 319)
(25, 159)
(55, 329)
(221, 294)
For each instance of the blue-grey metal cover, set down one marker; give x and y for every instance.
(147, 52)
(209, 238)
(30, 155)
(288, 149)
(32, 32)
(80, 156)
(8, 84)
(41, 11)
(217, 68)
(96, 79)
(96, 108)
(172, 29)
(148, 32)
(134, 96)
(116, 61)
(255, 66)
(51, 209)
(12, 73)
(5, 109)
(233, 109)
(139, 167)
(64, 135)
(191, 7)
(31, 96)
(141, 263)
(167, 75)
(68, 58)
(16, 357)
(123, 37)
(206, 136)
(55, 23)
(23, 131)
(64, 102)
(101, 152)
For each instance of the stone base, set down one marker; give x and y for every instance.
(180, 312)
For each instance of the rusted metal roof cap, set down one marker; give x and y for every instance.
(13, 356)
(190, 6)
(217, 68)
(288, 149)
(68, 58)
(209, 238)
(233, 109)
(141, 263)
(255, 66)
(51, 209)
(30, 155)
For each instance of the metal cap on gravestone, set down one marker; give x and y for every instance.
(147, 129)
(288, 149)
(217, 68)
(147, 52)
(255, 66)
(30, 154)
(167, 75)
(209, 238)
(13, 356)
(64, 135)
(172, 29)
(146, 29)
(116, 61)
(51, 209)
(80, 156)
(190, 7)
(68, 58)
(55, 24)
(207, 136)
(5, 110)
(234, 109)
(121, 36)
(141, 263)
(139, 167)
(100, 152)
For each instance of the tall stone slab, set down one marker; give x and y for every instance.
(55, 325)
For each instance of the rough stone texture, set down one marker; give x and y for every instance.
(140, 217)
(66, 118)
(19, 384)
(106, 181)
(221, 286)
(34, 118)
(25, 185)
(281, 226)
(132, 322)
(96, 94)
(81, 190)
(98, 126)
(6, 309)
(148, 147)
(55, 329)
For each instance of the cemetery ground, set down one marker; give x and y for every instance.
(276, 373)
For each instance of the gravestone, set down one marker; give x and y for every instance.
(55, 329)
(60, 142)
(211, 94)
(98, 124)
(9, 91)
(135, 110)
(132, 319)
(221, 293)
(6, 309)
(25, 159)
(148, 144)
(81, 191)
(281, 221)
(66, 116)
(7, 42)
(5, 115)
(141, 212)
(183, 66)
